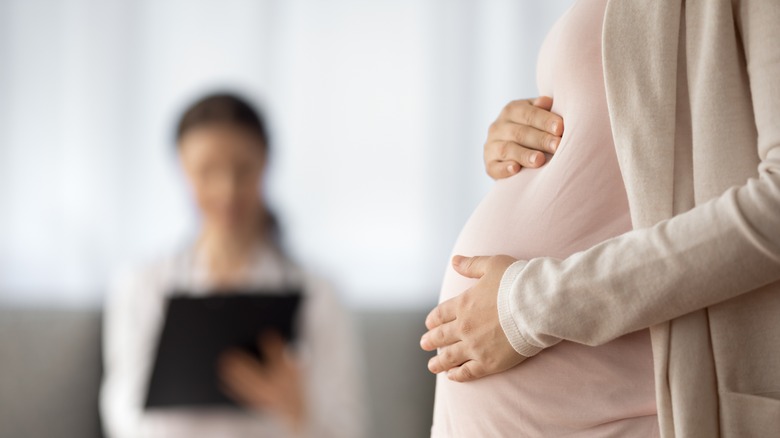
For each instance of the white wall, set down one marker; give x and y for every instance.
(379, 109)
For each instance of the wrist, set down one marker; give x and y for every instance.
(295, 417)
(508, 312)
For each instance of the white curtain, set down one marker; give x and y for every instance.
(378, 110)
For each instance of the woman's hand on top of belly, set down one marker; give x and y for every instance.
(524, 129)
(466, 329)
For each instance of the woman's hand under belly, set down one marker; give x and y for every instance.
(465, 329)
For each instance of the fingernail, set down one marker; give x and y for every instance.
(511, 168)
(554, 126)
(554, 145)
(534, 158)
(457, 260)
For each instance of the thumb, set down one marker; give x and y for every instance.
(544, 102)
(470, 267)
(272, 345)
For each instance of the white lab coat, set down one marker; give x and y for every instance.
(133, 319)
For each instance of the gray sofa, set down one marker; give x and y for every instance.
(50, 373)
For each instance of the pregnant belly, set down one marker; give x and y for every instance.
(551, 211)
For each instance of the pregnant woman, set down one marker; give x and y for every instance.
(575, 201)
(657, 218)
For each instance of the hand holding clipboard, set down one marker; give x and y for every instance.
(198, 331)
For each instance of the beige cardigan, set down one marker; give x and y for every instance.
(694, 99)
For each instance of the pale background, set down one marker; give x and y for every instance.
(378, 111)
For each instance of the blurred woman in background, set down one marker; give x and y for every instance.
(313, 391)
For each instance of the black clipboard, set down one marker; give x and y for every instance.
(198, 330)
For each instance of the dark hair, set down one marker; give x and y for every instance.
(223, 108)
(231, 109)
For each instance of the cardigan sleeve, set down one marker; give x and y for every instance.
(712, 253)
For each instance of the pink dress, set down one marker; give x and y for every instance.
(576, 200)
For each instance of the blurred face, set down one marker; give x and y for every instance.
(224, 165)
